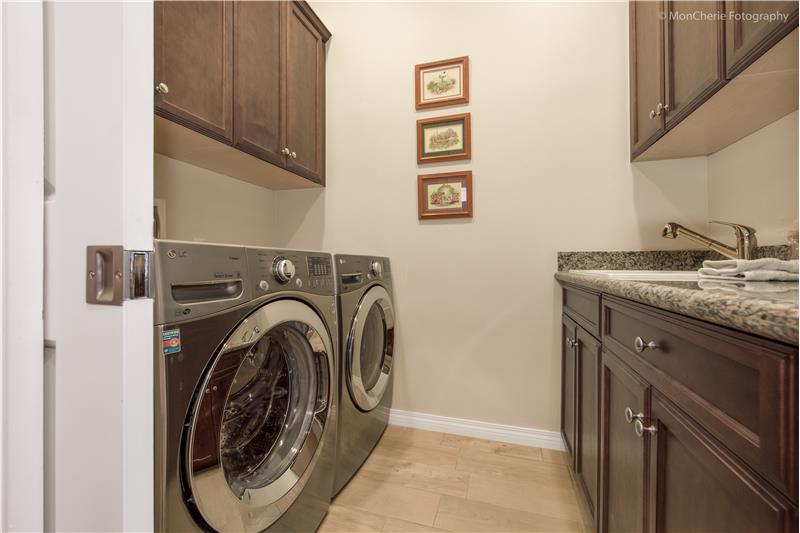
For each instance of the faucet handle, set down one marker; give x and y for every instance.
(740, 229)
(746, 241)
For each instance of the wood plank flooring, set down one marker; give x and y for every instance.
(419, 480)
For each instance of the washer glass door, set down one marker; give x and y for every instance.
(370, 348)
(259, 418)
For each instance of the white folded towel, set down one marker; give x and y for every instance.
(775, 290)
(766, 269)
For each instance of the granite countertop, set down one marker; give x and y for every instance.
(768, 309)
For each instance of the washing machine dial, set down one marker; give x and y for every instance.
(376, 268)
(283, 269)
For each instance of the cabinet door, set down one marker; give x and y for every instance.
(646, 73)
(588, 411)
(694, 56)
(305, 95)
(257, 80)
(755, 26)
(568, 430)
(193, 58)
(699, 486)
(624, 453)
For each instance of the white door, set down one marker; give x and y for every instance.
(98, 66)
(21, 266)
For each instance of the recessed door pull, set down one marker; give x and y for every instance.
(114, 275)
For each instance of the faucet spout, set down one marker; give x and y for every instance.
(745, 239)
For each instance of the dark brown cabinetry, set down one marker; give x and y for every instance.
(753, 28)
(695, 425)
(258, 84)
(684, 52)
(625, 397)
(568, 329)
(646, 73)
(697, 485)
(693, 54)
(193, 57)
(580, 388)
(305, 94)
(248, 74)
(587, 458)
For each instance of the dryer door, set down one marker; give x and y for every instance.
(369, 348)
(258, 419)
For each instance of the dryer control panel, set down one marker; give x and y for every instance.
(355, 271)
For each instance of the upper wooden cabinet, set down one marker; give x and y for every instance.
(754, 27)
(193, 58)
(250, 75)
(686, 97)
(693, 57)
(259, 93)
(305, 92)
(647, 73)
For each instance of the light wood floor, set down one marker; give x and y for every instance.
(419, 480)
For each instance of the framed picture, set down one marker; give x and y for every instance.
(446, 195)
(444, 138)
(442, 83)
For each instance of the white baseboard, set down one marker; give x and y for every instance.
(475, 428)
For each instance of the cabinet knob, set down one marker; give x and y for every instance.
(571, 342)
(652, 114)
(293, 155)
(639, 345)
(659, 109)
(630, 417)
(285, 151)
(162, 88)
(640, 428)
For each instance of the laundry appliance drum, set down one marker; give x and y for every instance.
(370, 348)
(259, 417)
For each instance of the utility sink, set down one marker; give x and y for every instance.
(643, 275)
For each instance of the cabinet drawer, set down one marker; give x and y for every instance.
(582, 306)
(740, 388)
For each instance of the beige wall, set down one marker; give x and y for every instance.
(754, 182)
(206, 206)
(477, 305)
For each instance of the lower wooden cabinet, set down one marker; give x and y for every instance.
(655, 429)
(587, 380)
(580, 428)
(568, 330)
(625, 398)
(697, 485)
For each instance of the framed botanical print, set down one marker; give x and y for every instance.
(445, 195)
(442, 83)
(444, 138)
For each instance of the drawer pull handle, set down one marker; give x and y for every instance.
(640, 428)
(640, 345)
(630, 417)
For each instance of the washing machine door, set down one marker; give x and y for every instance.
(369, 348)
(258, 419)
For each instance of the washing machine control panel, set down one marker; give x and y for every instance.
(281, 270)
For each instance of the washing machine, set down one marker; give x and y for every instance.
(366, 321)
(246, 368)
